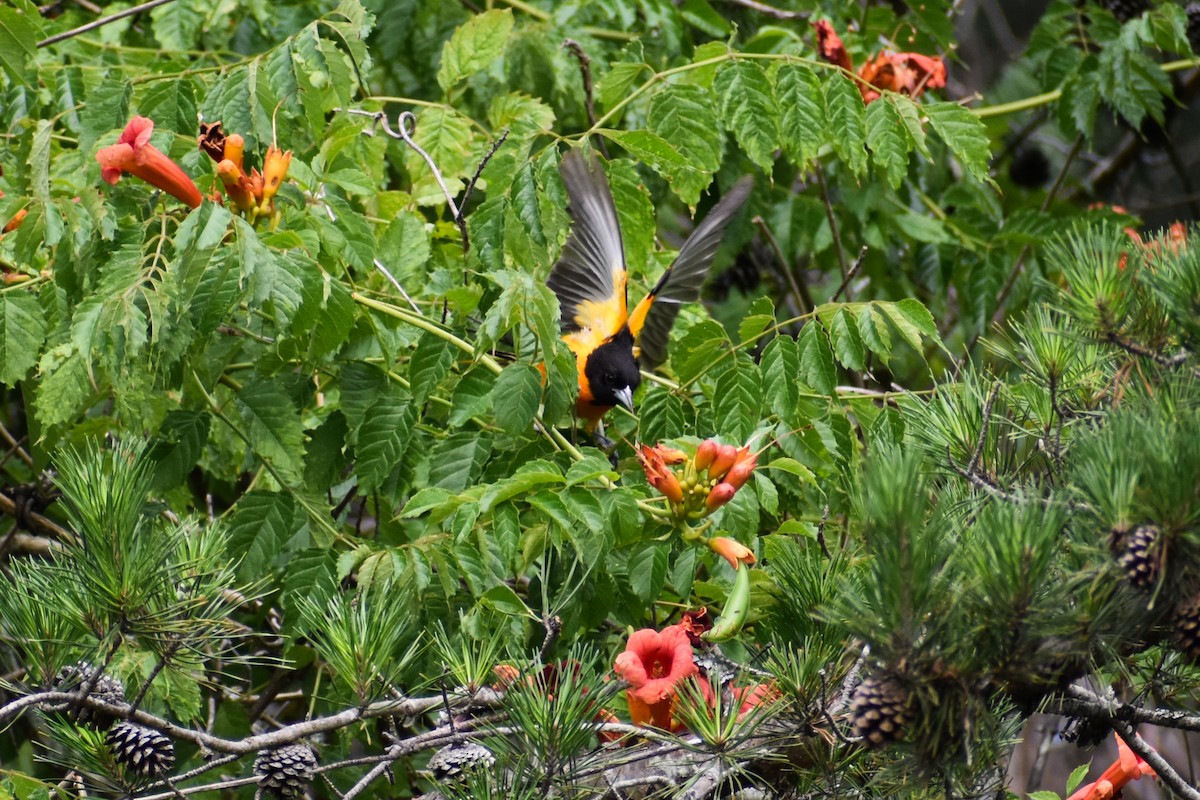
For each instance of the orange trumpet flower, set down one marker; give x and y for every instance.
(134, 154)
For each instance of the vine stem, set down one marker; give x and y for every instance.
(129, 12)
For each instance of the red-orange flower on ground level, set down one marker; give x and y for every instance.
(654, 663)
(732, 551)
(830, 46)
(750, 697)
(134, 154)
(1129, 766)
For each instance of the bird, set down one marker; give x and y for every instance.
(589, 279)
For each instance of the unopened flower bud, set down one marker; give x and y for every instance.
(742, 467)
(718, 496)
(235, 148)
(705, 453)
(726, 455)
(236, 185)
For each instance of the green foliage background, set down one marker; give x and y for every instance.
(343, 438)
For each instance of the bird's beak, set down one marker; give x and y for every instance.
(625, 397)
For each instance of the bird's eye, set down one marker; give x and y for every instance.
(610, 378)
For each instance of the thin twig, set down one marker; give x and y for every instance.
(984, 424)
(1165, 772)
(585, 70)
(770, 11)
(798, 287)
(833, 229)
(392, 279)
(854, 268)
(479, 169)
(97, 23)
(821, 532)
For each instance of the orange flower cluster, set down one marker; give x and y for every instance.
(907, 73)
(251, 193)
(134, 154)
(707, 481)
(1129, 766)
(656, 664)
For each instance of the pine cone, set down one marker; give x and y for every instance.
(1185, 620)
(144, 751)
(880, 707)
(1193, 25)
(285, 771)
(453, 762)
(1125, 10)
(107, 688)
(1141, 556)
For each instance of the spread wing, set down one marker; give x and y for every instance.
(589, 278)
(653, 317)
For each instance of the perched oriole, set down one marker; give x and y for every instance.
(589, 280)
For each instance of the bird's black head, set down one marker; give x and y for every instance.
(612, 371)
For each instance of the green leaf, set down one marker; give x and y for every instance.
(654, 151)
(22, 330)
(737, 399)
(39, 162)
(888, 140)
(780, 368)
(686, 116)
(912, 321)
(171, 104)
(516, 396)
(260, 525)
(749, 110)
(273, 427)
(873, 327)
(178, 446)
(965, 135)
(648, 570)
(382, 438)
(847, 343)
(457, 460)
(846, 129)
(909, 113)
(18, 42)
(472, 396)
(430, 363)
(505, 600)
(107, 108)
(404, 248)
(816, 358)
(521, 115)
(802, 112)
(1077, 775)
(476, 44)
(660, 414)
(794, 467)
(614, 85)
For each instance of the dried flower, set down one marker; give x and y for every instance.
(906, 73)
(134, 154)
(654, 464)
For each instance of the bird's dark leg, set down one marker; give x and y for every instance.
(606, 444)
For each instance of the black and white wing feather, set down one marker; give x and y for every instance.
(592, 264)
